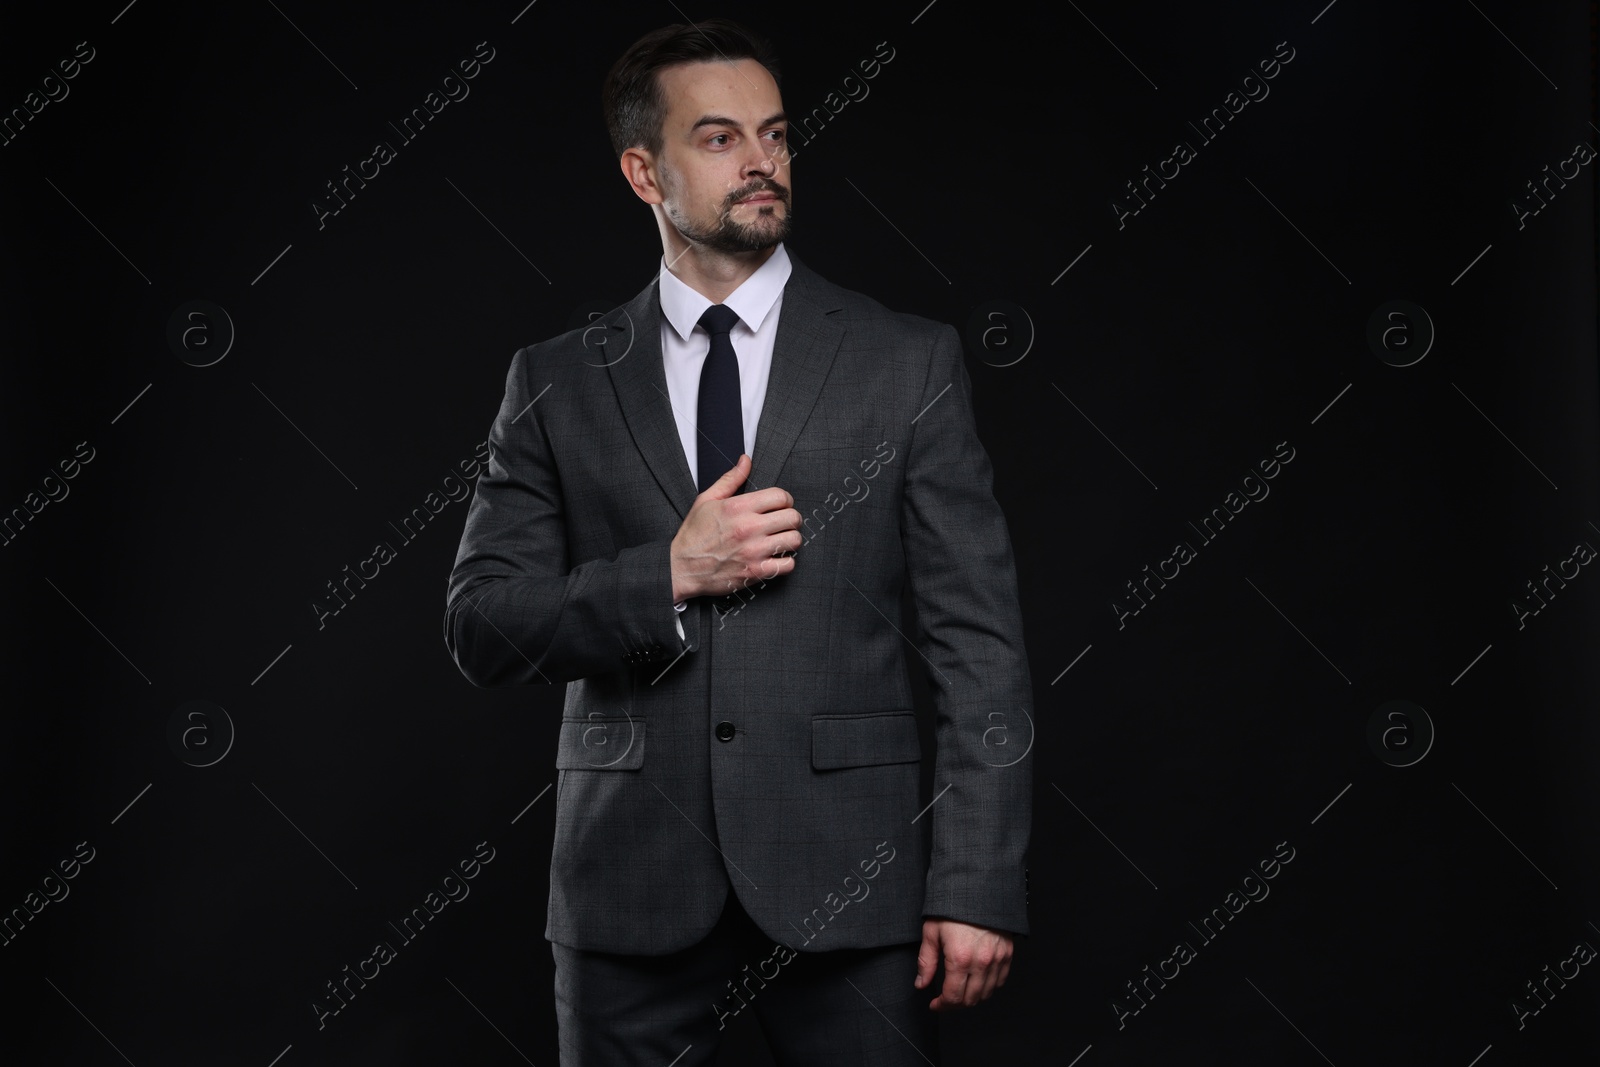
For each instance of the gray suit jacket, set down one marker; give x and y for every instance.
(776, 747)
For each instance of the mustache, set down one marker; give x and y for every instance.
(763, 186)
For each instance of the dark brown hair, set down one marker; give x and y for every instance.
(634, 104)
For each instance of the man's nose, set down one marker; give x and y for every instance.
(765, 163)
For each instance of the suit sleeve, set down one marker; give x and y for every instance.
(516, 610)
(963, 582)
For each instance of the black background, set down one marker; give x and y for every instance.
(1231, 314)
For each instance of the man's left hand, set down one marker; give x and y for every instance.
(976, 962)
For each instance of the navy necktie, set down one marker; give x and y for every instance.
(720, 419)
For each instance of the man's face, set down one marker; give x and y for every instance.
(724, 161)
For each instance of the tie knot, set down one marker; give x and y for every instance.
(719, 318)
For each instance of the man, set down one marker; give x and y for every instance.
(738, 818)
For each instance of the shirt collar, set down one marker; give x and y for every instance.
(682, 305)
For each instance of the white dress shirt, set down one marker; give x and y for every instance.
(685, 345)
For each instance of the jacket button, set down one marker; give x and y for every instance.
(725, 730)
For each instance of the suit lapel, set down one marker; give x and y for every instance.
(640, 380)
(802, 354)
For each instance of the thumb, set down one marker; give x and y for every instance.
(927, 955)
(729, 483)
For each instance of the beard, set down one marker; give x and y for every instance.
(728, 234)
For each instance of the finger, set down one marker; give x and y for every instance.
(1005, 970)
(785, 543)
(977, 975)
(771, 567)
(726, 485)
(985, 983)
(770, 499)
(955, 988)
(927, 958)
(782, 520)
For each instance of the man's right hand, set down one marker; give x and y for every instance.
(727, 540)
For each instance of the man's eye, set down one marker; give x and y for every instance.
(777, 134)
(716, 136)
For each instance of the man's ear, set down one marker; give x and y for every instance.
(640, 170)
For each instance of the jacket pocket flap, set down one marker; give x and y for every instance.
(864, 740)
(601, 743)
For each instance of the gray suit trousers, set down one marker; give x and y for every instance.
(841, 1008)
